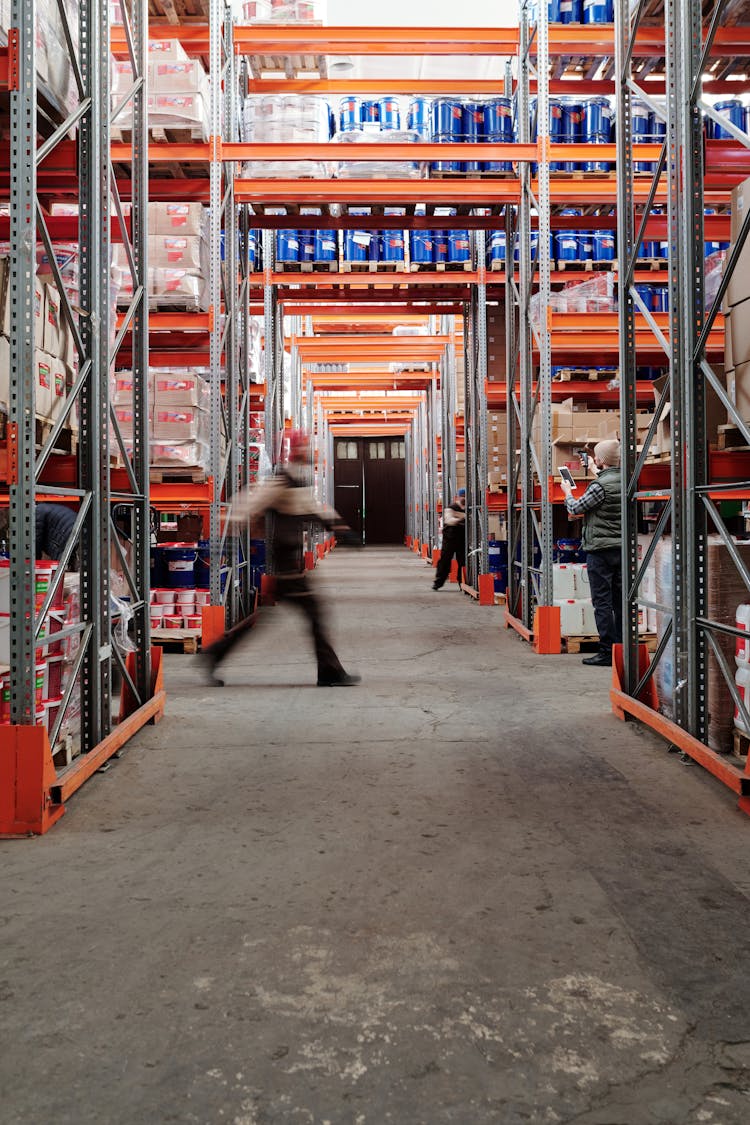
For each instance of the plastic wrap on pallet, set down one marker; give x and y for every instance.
(284, 118)
(180, 455)
(278, 11)
(378, 169)
(179, 92)
(596, 295)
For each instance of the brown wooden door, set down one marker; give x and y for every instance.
(348, 481)
(385, 490)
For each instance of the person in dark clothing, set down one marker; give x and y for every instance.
(600, 507)
(53, 525)
(289, 500)
(454, 540)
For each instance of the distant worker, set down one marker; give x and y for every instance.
(289, 500)
(600, 508)
(454, 540)
(53, 525)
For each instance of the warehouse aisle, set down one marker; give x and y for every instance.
(461, 892)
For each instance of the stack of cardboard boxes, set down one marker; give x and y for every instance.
(54, 355)
(737, 312)
(178, 97)
(177, 259)
(178, 420)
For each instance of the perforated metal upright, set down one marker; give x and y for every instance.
(475, 424)
(90, 326)
(530, 537)
(687, 636)
(448, 411)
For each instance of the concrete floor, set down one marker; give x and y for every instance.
(461, 892)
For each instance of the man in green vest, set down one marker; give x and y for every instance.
(600, 509)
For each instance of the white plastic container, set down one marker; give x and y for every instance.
(186, 596)
(589, 620)
(4, 585)
(165, 596)
(571, 617)
(581, 574)
(742, 682)
(742, 644)
(563, 582)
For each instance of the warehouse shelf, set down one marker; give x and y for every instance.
(695, 655)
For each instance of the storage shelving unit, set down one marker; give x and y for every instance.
(697, 478)
(33, 790)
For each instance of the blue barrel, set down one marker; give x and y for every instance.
(572, 121)
(734, 111)
(554, 13)
(571, 11)
(596, 129)
(657, 127)
(370, 113)
(350, 114)
(287, 246)
(646, 293)
(326, 246)
(586, 246)
(418, 117)
(556, 127)
(497, 246)
(501, 580)
(598, 11)
(420, 247)
(375, 249)
(494, 560)
(497, 128)
(356, 245)
(157, 567)
(307, 246)
(459, 247)
(472, 126)
(392, 246)
(566, 246)
(447, 128)
(603, 245)
(440, 246)
(203, 566)
(660, 298)
(252, 248)
(389, 113)
(179, 565)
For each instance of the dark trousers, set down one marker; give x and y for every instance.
(452, 547)
(605, 579)
(297, 592)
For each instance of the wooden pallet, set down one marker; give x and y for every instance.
(740, 743)
(160, 134)
(177, 11)
(658, 458)
(496, 267)
(445, 175)
(575, 645)
(164, 474)
(583, 374)
(188, 639)
(580, 175)
(67, 441)
(654, 264)
(371, 267)
(731, 440)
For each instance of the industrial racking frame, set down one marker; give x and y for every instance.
(33, 791)
(693, 485)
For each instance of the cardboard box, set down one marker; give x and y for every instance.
(53, 335)
(166, 50)
(738, 289)
(173, 251)
(740, 207)
(169, 76)
(737, 335)
(44, 380)
(185, 219)
(58, 390)
(39, 314)
(180, 388)
(177, 424)
(738, 389)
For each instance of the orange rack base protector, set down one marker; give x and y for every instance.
(735, 777)
(546, 635)
(32, 793)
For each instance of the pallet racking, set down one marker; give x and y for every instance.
(696, 480)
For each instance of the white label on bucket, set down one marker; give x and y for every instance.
(180, 565)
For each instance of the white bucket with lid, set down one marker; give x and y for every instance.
(742, 682)
(742, 644)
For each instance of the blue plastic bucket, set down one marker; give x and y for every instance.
(447, 128)
(586, 246)
(646, 293)
(440, 246)
(596, 129)
(660, 298)
(252, 248)
(370, 113)
(203, 566)
(472, 125)
(420, 247)
(734, 111)
(326, 246)
(603, 245)
(494, 561)
(496, 248)
(389, 113)
(556, 129)
(572, 119)
(598, 11)
(418, 117)
(350, 114)
(553, 11)
(179, 565)
(357, 245)
(307, 246)
(497, 127)
(392, 246)
(566, 246)
(459, 247)
(287, 246)
(571, 11)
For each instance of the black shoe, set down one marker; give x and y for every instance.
(437, 585)
(344, 679)
(599, 660)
